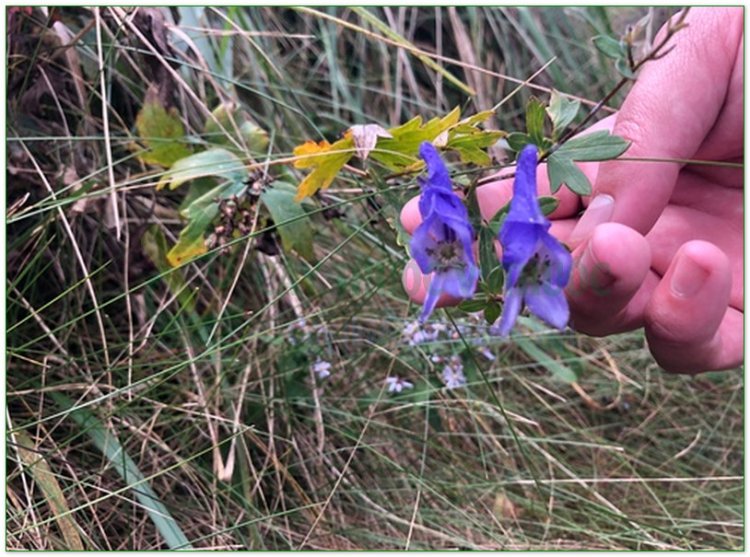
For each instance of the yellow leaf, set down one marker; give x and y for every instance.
(184, 251)
(307, 151)
(326, 161)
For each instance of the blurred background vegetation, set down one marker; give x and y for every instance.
(153, 407)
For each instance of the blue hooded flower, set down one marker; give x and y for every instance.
(537, 266)
(442, 244)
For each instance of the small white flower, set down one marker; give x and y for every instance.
(453, 373)
(396, 384)
(321, 368)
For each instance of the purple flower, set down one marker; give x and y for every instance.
(442, 244)
(537, 265)
(321, 368)
(453, 373)
(396, 384)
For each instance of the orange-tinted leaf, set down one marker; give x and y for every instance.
(326, 162)
(307, 151)
(188, 246)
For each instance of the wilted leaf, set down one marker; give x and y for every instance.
(325, 159)
(217, 162)
(561, 111)
(35, 461)
(477, 118)
(366, 137)
(162, 132)
(292, 222)
(504, 508)
(190, 244)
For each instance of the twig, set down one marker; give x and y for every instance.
(654, 54)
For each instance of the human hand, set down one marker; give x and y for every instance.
(660, 244)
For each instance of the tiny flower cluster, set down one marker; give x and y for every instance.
(437, 337)
(537, 265)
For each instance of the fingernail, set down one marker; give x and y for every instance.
(593, 275)
(598, 212)
(688, 277)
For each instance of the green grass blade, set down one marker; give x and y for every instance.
(128, 471)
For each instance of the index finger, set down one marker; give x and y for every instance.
(671, 109)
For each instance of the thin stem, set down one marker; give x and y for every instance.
(654, 54)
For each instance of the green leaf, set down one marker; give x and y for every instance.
(561, 111)
(492, 312)
(109, 445)
(610, 47)
(496, 222)
(517, 141)
(488, 260)
(200, 214)
(472, 306)
(596, 146)
(556, 368)
(495, 280)
(471, 146)
(400, 151)
(548, 205)
(292, 222)
(217, 162)
(562, 170)
(623, 67)
(162, 132)
(535, 120)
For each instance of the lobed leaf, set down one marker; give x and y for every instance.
(562, 170)
(325, 159)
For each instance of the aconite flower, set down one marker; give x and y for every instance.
(442, 243)
(537, 266)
